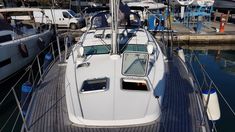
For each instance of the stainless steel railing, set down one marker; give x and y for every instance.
(34, 73)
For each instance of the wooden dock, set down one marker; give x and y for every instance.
(180, 108)
(208, 36)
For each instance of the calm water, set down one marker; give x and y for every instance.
(7, 108)
(220, 67)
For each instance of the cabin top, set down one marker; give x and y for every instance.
(103, 37)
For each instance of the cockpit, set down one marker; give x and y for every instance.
(103, 20)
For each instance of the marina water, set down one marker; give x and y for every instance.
(220, 65)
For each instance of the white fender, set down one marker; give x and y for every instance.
(181, 54)
(213, 108)
(182, 8)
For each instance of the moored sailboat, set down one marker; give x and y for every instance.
(110, 75)
(20, 40)
(117, 79)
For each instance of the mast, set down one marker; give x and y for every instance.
(114, 25)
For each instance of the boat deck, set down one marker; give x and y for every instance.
(180, 108)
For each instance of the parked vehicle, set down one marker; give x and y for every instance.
(59, 17)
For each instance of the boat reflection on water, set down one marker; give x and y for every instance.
(227, 58)
(224, 59)
(220, 65)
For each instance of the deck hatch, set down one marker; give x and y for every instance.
(130, 84)
(95, 85)
(134, 64)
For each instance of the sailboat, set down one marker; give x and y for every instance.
(115, 67)
(116, 78)
(20, 40)
(151, 12)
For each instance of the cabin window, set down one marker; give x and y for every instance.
(105, 49)
(5, 38)
(130, 84)
(95, 85)
(133, 48)
(5, 62)
(134, 64)
(97, 49)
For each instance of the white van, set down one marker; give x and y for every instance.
(62, 18)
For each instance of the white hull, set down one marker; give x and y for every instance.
(182, 2)
(149, 4)
(10, 51)
(203, 3)
(115, 77)
(113, 106)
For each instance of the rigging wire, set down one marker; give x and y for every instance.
(8, 119)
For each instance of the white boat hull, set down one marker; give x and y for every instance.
(204, 3)
(11, 58)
